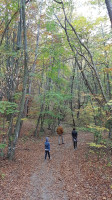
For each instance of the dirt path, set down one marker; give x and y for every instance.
(46, 182)
(69, 175)
(49, 179)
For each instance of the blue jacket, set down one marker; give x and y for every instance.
(47, 145)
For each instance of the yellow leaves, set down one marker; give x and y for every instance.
(20, 87)
(81, 24)
(109, 103)
(99, 20)
(107, 48)
(109, 118)
(1, 31)
(107, 70)
(3, 133)
(88, 108)
(91, 151)
(98, 97)
(24, 119)
(92, 144)
(97, 128)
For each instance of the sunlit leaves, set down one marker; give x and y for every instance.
(82, 24)
(110, 103)
(92, 144)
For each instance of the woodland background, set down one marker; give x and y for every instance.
(56, 66)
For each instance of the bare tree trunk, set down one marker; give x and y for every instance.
(41, 108)
(71, 101)
(11, 153)
(107, 82)
(38, 121)
(10, 137)
(109, 8)
(95, 121)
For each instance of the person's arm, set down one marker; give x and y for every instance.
(77, 134)
(49, 146)
(62, 130)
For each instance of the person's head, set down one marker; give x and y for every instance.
(47, 140)
(74, 129)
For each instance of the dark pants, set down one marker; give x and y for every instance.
(75, 142)
(47, 152)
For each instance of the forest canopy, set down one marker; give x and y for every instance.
(56, 66)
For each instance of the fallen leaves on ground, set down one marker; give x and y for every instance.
(69, 175)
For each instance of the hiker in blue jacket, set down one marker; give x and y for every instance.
(47, 148)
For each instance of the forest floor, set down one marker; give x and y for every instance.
(69, 175)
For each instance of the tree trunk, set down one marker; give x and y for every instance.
(71, 101)
(36, 56)
(109, 8)
(10, 138)
(38, 121)
(11, 153)
(88, 60)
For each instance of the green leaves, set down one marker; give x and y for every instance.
(2, 146)
(51, 26)
(7, 107)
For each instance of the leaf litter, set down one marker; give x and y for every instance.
(69, 175)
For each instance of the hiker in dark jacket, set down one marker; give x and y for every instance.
(47, 148)
(74, 137)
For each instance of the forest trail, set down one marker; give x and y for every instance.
(61, 178)
(69, 175)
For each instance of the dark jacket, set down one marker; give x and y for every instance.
(47, 145)
(74, 134)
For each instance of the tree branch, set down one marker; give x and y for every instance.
(60, 2)
(10, 22)
(91, 64)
